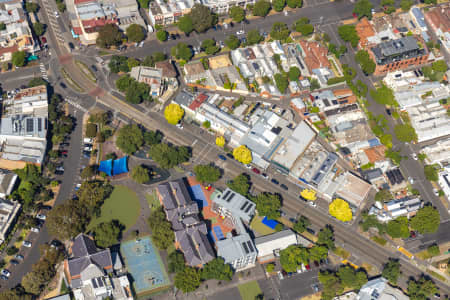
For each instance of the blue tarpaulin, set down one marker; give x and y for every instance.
(269, 223)
(120, 166)
(106, 167)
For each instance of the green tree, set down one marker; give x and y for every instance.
(363, 8)
(351, 278)
(426, 220)
(144, 3)
(237, 13)
(124, 82)
(12, 250)
(217, 269)
(405, 133)
(152, 137)
(88, 172)
(2, 26)
(294, 3)
(384, 96)
(138, 92)
(187, 280)
(207, 173)
(314, 84)
(421, 289)
(31, 7)
(67, 220)
(268, 205)
(253, 37)
(167, 156)
(261, 8)
(331, 285)
(292, 257)
(439, 66)
(232, 42)
(135, 33)
(181, 51)
(318, 253)
(162, 35)
(398, 228)
(140, 174)
(294, 73)
(162, 233)
(210, 46)
(394, 156)
(185, 24)
(388, 6)
(326, 238)
(118, 64)
(202, 18)
(109, 35)
(348, 34)
(431, 173)
(175, 262)
(406, 4)
(37, 81)
(365, 61)
(278, 5)
(39, 28)
(386, 139)
(302, 25)
(280, 31)
(129, 138)
(383, 195)
(240, 184)
(281, 81)
(391, 271)
(19, 58)
(107, 234)
(301, 224)
(434, 250)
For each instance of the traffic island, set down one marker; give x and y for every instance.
(73, 85)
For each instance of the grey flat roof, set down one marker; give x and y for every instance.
(237, 204)
(395, 47)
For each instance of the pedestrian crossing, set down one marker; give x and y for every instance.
(75, 104)
(43, 72)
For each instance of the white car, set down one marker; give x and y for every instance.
(248, 166)
(88, 148)
(436, 192)
(6, 273)
(411, 180)
(312, 203)
(41, 217)
(240, 32)
(26, 244)
(280, 275)
(179, 125)
(56, 14)
(414, 156)
(35, 229)
(264, 175)
(87, 140)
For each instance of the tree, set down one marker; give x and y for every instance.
(431, 173)
(140, 174)
(207, 173)
(91, 196)
(135, 33)
(144, 3)
(280, 31)
(348, 34)
(237, 13)
(313, 84)
(88, 172)
(162, 35)
(261, 8)
(398, 228)
(129, 138)
(118, 64)
(383, 195)
(181, 51)
(405, 133)
(19, 58)
(367, 64)
(294, 3)
(439, 66)
(281, 81)
(341, 210)
(217, 269)
(268, 205)
(270, 267)
(301, 224)
(169, 156)
(302, 25)
(107, 234)
(386, 139)
(37, 81)
(434, 250)
(185, 24)
(391, 271)
(2, 26)
(138, 92)
(232, 42)
(363, 8)
(294, 73)
(12, 250)
(109, 35)
(210, 46)
(66, 220)
(162, 233)
(124, 83)
(331, 285)
(242, 154)
(91, 130)
(240, 184)
(253, 37)
(31, 7)
(17, 293)
(292, 257)
(38, 28)
(388, 6)
(278, 5)
(173, 113)
(187, 280)
(318, 253)
(426, 220)
(406, 4)
(421, 289)
(175, 262)
(220, 141)
(202, 18)
(132, 62)
(349, 277)
(326, 238)
(384, 96)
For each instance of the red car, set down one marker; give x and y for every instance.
(412, 234)
(256, 170)
(64, 152)
(308, 267)
(208, 187)
(355, 15)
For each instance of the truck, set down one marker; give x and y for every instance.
(405, 252)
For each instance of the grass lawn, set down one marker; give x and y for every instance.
(249, 290)
(122, 205)
(153, 201)
(259, 227)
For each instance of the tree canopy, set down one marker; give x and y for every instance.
(292, 257)
(39, 28)
(398, 228)
(268, 204)
(391, 271)
(294, 73)
(187, 280)
(217, 269)
(301, 224)
(173, 113)
(181, 51)
(135, 33)
(162, 233)
(202, 18)
(210, 46)
(351, 278)
(130, 138)
(118, 64)
(242, 154)
(431, 173)
(326, 238)
(421, 289)
(140, 174)
(240, 184)
(405, 133)
(237, 13)
(207, 173)
(383, 195)
(232, 42)
(365, 61)
(109, 35)
(303, 26)
(348, 34)
(363, 8)
(278, 5)
(169, 156)
(426, 220)
(162, 35)
(384, 95)
(175, 262)
(294, 3)
(66, 220)
(253, 37)
(37, 81)
(185, 24)
(341, 210)
(220, 141)
(107, 234)
(281, 81)
(280, 31)
(261, 8)
(18, 58)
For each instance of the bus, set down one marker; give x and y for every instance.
(405, 252)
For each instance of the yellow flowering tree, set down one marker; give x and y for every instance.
(340, 210)
(173, 113)
(242, 154)
(220, 141)
(308, 194)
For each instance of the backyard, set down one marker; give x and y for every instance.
(122, 205)
(249, 290)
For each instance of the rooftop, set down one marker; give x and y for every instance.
(236, 204)
(379, 289)
(353, 189)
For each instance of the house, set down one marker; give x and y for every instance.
(269, 246)
(92, 273)
(438, 19)
(153, 77)
(23, 128)
(190, 231)
(364, 30)
(298, 105)
(430, 120)
(444, 181)
(379, 289)
(9, 210)
(223, 6)
(438, 152)
(7, 182)
(168, 69)
(398, 54)
(315, 57)
(407, 206)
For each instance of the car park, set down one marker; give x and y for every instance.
(222, 157)
(284, 187)
(274, 181)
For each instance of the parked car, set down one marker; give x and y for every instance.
(280, 275)
(89, 148)
(274, 181)
(86, 154)
(6, 273)
(60, 168)
(255, 170)
(414, 156)
(240, 32)
(35, 229)
(316, 288)
(19, 257)
(14, 262)
(310, 231)
(87, 140)
(59, 172)
(308, 267)
(388, 111)
(312, 203)
(412, 234)
(41, 217)
(230, 155)
(26, 244)
(265, 176)
(248, 166)
(284, 187)
(56, 14)
(222, 157)
(179, 125)
(3, 277)
(64, 152)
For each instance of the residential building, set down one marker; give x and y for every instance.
(167, 12)
(423, 92)
(399, 54)
(438, 19)
(379, 289)
(93, 273)
(444, 181)
(8, 180)
(298, 105)
(374, 176)
(419, 18)
(9, 210)
(223, 6)
(438, 153)
(269, 246)
(402, 80)
(407, 206)
(17, 35)
(153, 77)
(430, 120)
(365, 30)
(190, 231)
(315, 57)
(23, 128)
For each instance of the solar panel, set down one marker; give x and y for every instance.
(100, 282)
(243, 206)
(30, 125)
(248, 208)
(94, 283)
(225, 196)
(230, 198)
(245, 248)
(250, 246)
(39, 124)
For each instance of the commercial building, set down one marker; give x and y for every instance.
(16, 35)
(430, 120)
(379, 289)
(438, 153)
(153, 77)
(190, 231)
(23, 128)
(399, 54)
(94, 273)
(422, 92)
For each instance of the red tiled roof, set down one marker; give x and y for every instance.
(92, 23)
(77, 30)
(83, 1)
(364, 30)
(198, 101)
(315, 55)
(439, 18)
(8, 49)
